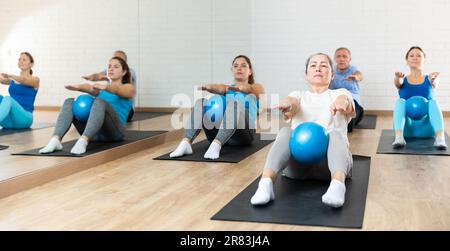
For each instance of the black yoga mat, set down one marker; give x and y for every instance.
(299, 202)
(414, 146)
(94, 147)
(368, 122)
(2, 147)
(138, 116)
(228, 154)
(36, 126)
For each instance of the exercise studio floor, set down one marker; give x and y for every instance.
(405, 192)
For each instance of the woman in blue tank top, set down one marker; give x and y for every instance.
(237, 123)
(108, 114)
(417, 84)
(16, 110)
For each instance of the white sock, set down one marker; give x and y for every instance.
(399, 141)
(53, 145)
(264, 194)
(80, 146)
(439, 142)
(213, 151)
(335, 195)
(182, 149)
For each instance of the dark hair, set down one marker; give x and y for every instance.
(251, 78)
(323, 54)
(412, 48)
(122, 52)
(343, 49)
(31, 59)
(127, 77)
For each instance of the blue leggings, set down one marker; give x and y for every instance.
(425, 128)
(12, 114)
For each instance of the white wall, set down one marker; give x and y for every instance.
(176, 44)
(379, 33)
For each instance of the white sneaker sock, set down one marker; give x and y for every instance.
(439, 143)
(52, 146)
(399, 142)
(264, 194)
(335, 195)
(184, 148)
(213, 151)
(80, 146)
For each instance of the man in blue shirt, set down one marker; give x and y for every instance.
(348, 77)
(101, 76)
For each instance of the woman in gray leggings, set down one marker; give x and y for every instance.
(237, 126)
(333, 110)
(108, 114)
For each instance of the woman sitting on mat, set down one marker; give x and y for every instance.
(108, 114)
(16, 110)
(417, 84)
(237, 127)
(332, 109)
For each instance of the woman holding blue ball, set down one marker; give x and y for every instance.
(107, 117)
(412, 89)
(230, 117)
(16, 110)
(330, 109)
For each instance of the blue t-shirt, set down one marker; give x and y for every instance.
(133, 78)
(251, 104)
(24, 95)
(408, 90)
(122, 106)
(351, 85)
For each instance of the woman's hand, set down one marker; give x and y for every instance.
(433, 76)
(285, 106)
(203, 88)
(6, 75)
(399, 75)
(72, 87)
(341, 104)
(99, 87)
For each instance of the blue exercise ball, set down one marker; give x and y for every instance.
(215, 108)
(417, 107)
(82, 107)
(309, 143)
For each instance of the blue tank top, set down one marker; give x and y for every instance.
(408, 90)
(23, 94)
(122, 106)
(251, 104)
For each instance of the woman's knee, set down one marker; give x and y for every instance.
(7, 99)
(284, 133)
(69, 101)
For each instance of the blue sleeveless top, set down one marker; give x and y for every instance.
(408, 90)
(122, 106)
(251, 104)
(23, 94)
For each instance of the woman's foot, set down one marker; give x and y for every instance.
(213, 151)
(53, 145)
(264, 194)
(184, 148)
(335, 195)
(439, 142)
(80, 146)
(399, 142)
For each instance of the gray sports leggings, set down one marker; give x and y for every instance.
(339, 158)
(233, 129)
(103, 123)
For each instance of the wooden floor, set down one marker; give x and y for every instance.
(138, 193)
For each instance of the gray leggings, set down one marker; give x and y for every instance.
(103, 123)
(339, 158)
(233, 129)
